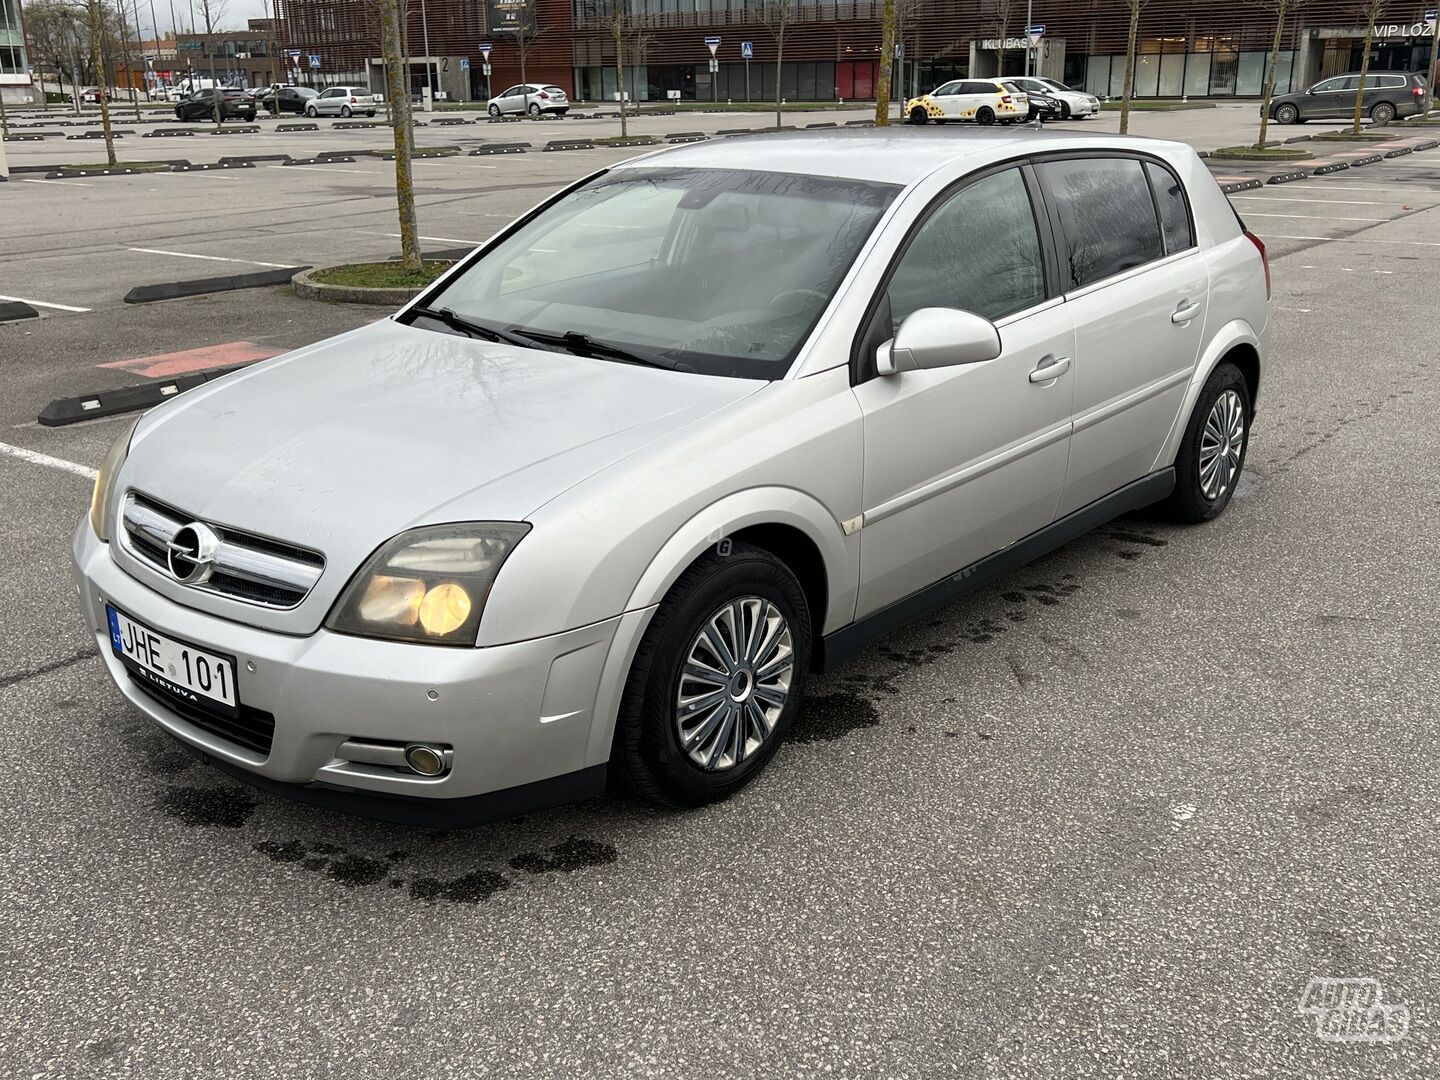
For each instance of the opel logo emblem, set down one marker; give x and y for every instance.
(191, 554)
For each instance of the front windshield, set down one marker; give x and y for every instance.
(718, 271)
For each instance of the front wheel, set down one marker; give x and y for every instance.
(1287, 114)
(1212, 453)
(1383, 113)
(494, 110)
(918, 115)
(717, 679)
(985, 116)
(535, 110)
(1064, 111)
(311, 111)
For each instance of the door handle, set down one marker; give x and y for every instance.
(1049, 372)
(1185, 312)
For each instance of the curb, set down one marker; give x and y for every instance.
(1288, 178)
(307, 289)
(213, 165)
(1242, 185)
(297, 127)
(15, 310)
(174, 290)
(124, 399)
(501, 148)
(1368, 159)
(319, 161)
(1333, 167)
(569, 144)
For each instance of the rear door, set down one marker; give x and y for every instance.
(1137, 290)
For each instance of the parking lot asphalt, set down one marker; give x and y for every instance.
(1104, 818)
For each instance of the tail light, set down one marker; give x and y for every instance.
(543, 95)
(1264, 258)
(354, 101)
(1418, 91)
(1005, 99)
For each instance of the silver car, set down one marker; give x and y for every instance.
(343, 101)
(532, 98)
(593, 505)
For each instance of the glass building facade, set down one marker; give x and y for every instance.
(14, 64)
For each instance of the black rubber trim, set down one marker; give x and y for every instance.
(173, 290)
(125, 399)
(837, 647)
(429, 813)
(15, 310)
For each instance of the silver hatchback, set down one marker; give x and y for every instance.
(592, 506)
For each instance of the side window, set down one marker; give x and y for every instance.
(978, 252)
(948, 88)
(1174, 214)
(1107, 216)
(1327, 86)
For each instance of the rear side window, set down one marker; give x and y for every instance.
(1107, 217)
(1175, 224)
(979, 252)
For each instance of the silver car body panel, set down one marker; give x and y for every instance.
(626, 474)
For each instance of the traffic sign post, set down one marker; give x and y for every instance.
(713, 44)
(1033, 31)
(314, 62)
(747, 53)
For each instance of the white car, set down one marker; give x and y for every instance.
(532, 98)
(343, 101)
(984, 101)
(1074, 104)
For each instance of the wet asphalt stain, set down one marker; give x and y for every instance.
(826, 717)
(566, 856)
(227, 808)
(469, 888)
(159, 753)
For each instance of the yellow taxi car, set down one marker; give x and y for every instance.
(985, 101)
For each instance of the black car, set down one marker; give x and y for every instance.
(291, 99)
(1388, 94)
(1043, 104)
(234, 105)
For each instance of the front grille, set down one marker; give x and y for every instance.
(253, 729)
(249, 568)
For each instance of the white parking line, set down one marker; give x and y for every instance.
(442, 239)
(208, 258)
(42, 303)
(36, 458)
(1312, 217)
(1351, 240)
(1320, 202)
(65, 183)
(321, 168)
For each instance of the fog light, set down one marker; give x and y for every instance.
(425, 760)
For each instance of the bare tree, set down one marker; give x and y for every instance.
(1434, 61)
(526, 32)
(1135, 6)
(397, 89)
(1283, 9)
(1369, 11)
(626, 30)
(1000, 22)
(777, 15)
(97, 61)
(887, 64)
(213, 11)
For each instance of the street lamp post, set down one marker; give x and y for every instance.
(429, 82)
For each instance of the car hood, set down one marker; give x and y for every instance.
(339, 446)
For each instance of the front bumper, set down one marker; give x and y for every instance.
(530, 723)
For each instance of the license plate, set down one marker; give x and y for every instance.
(177, 667)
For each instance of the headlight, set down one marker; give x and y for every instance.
(427, 585)
(103, 496)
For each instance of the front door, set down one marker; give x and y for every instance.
(1137, 289)
(1332, 98)
(962, 461)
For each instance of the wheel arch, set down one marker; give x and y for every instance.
(1235, 343)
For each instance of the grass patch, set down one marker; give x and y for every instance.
(384, 275)
(1157, 105)
(99, 166)
(1254, 153)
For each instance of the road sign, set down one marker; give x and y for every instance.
(747, 50)
(485, 70)
(314, 61)
(1035, 33)
(714, 65)
(464, 63)
(294, 54)
(712, 43)
(899, 50)
(485, 48)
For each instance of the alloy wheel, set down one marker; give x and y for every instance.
(1221, 443)
(734, 683)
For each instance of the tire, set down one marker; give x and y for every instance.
(919, 116)
(535, 109)
(1064, 110)
(1195, 498)
(345, 111)
(649, 757)
(179, 113)
(1287, 114)
(1383, 113)
(985, 116)
(494, 110)
(311, 112)
(370, 112)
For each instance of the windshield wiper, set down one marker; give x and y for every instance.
(474, 329)
(584, 345)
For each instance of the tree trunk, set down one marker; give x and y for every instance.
(102, 91)
(887, 62)
(1129, 67)
(397, 87)
(1434, 63)
(617, 27)
(524, 83)
(1371, 14)
(218, 99)
(1270, 79)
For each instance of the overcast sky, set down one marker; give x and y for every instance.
(236, 12)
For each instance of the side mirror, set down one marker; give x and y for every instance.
(936, 338)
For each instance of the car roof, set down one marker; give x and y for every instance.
(896, 155)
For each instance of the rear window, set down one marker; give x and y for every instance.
(1175, 224)
(1107, 217)
(554, 90)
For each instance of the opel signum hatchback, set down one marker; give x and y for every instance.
(595, 503)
